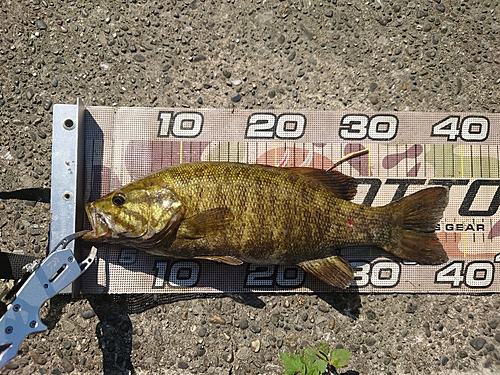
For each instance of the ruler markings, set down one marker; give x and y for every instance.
(440, 158)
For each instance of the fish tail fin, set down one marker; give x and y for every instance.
(415, 220)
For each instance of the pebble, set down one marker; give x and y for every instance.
(324, 308)
(87, 314)
(67, 365)
(12, 365)
(202, 332)
(255, 328)
(477, 343)
(374, 99)
(216, 319)
(55, 82)
(370, 341)
(41, 25)
(236, 97)
(182, 365)
(47, 104)
(255, 345)
(493, 323)
(38, 358)
(244, 323)
(199, 58)
(139, 58)
(200, 351)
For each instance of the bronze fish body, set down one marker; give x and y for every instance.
(234, 213)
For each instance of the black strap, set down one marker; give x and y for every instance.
(34, 194)
(11, 265)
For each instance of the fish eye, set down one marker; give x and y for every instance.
(118, 200)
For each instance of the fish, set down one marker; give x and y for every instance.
(235, 213)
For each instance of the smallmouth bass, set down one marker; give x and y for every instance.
(235, 213)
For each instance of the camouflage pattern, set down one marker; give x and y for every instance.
(125, 144)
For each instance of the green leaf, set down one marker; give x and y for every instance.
(293, 364)
(308, 356)
(323, 348)
(339, 357)
(320, 365)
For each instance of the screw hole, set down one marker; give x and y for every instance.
(67, 196)
(68, 124)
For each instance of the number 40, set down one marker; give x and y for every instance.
(472, 128)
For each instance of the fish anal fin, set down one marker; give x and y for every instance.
(333, 270)
(205, 223)
(223, 259)
(342, 186)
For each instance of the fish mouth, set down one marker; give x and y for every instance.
(100, 229)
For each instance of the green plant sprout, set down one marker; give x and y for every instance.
(315, 361)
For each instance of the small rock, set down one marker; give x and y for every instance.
(38, 358)
(183, 365)
(47, 104)
(87, 314)
(67, 365)
(139, 58)
(12, 365)
(200, 351)
(255, 328)
(216, 319)
(226, 73)
(236, 97)
(324, 308)
(374, 99)
(236, 82)
(199, 58)
(477, 343)
(493, 323)
(255, 345)
(370, 341)
(497, 337)
(202, 332)
(329, 13)
(41, 25)
(244, 323)
(55, 82)
(228, 357)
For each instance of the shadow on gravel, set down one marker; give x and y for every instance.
(114, 332)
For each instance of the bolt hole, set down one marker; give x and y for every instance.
(67, 196)
(69, 124)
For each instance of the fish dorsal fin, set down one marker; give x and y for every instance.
(205, 223)
(342, 186)
(223, 259)
(333, 270)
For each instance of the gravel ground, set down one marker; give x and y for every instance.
(440, 55)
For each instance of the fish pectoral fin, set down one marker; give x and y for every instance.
(205, 223)
(223, 259)
(333, 270)
(340, 185)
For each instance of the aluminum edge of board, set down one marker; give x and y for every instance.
(66, 197)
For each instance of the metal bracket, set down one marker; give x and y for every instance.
(66, 200)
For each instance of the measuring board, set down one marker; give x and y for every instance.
(408, 151)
